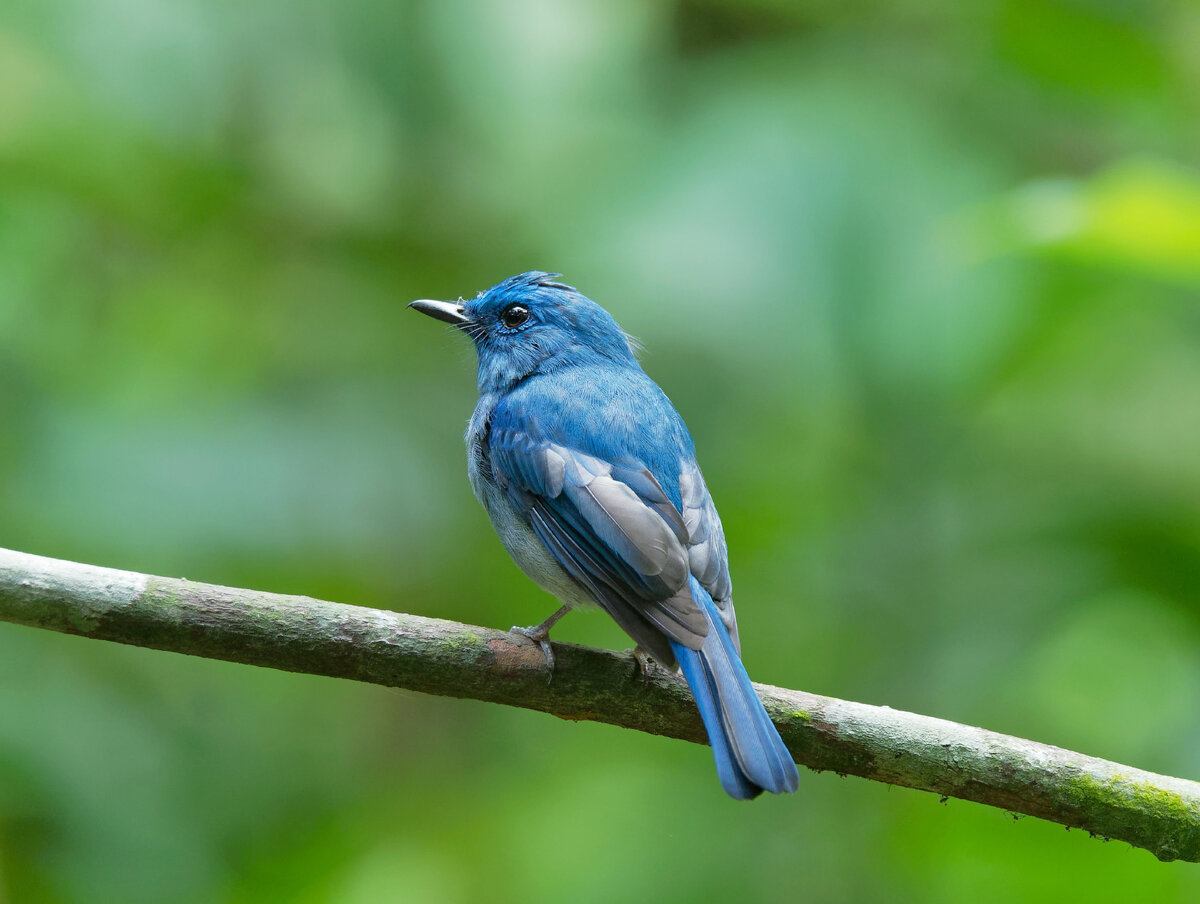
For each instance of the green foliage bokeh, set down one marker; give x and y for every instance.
(922, 279)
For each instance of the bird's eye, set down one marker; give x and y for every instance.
(514, 315)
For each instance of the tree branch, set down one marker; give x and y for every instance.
(298, 634)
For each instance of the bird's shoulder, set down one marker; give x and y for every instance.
(618, 415)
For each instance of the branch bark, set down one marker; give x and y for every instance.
(299, 634)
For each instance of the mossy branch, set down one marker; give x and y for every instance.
(298, 634)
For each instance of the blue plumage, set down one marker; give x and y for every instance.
(590, 479)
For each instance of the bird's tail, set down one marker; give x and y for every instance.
(750, 754)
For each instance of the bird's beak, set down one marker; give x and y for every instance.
(448, 311)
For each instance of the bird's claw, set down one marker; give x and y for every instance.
(540, 634)
(542, 639)
(645, 664)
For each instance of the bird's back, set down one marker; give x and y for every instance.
(617, 414)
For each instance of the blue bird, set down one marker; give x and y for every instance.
(590, 478)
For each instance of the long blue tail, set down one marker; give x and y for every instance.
(750, 754)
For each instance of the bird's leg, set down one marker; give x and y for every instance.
(540, 634)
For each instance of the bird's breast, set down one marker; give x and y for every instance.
(514, 531)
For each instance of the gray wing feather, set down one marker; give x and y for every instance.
(636, 532)
(708, 557)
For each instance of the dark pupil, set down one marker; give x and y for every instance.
(515, 316)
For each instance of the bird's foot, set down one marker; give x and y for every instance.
(646, 666)
(541, 637)
(540, 634)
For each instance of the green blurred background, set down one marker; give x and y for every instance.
(921, 277)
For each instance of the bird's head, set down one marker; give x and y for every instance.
(531, 323)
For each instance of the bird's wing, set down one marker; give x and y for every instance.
(614, 530)
(708, 558)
